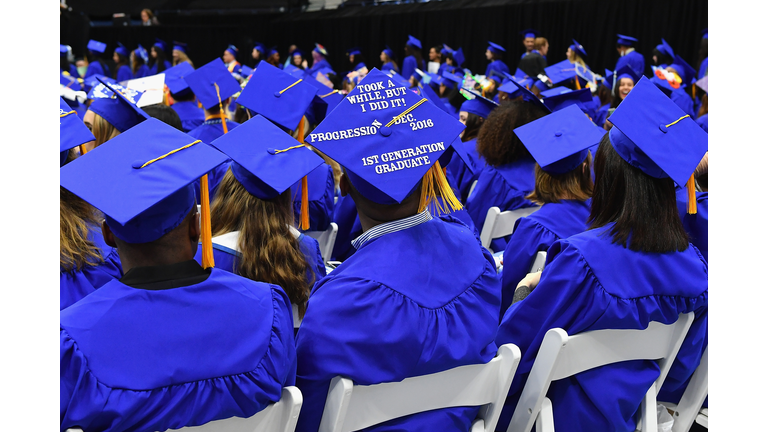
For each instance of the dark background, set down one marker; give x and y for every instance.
(208, 26)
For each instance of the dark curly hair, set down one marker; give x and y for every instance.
(497, 142)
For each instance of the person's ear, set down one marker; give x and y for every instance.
(109, 238)
(583, 167)
(344, 184)
(194, 228)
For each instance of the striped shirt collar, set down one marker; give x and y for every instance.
(391, 227)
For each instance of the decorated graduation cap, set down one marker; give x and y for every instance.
(119, 109)
(578, 48)
(174, 78)
(94, 80)
(686, 72)
(100, 90)
(122, 50)
(412, 41)
(142, 182)
(528, 96)
(626, 40)
(96, 46)
(653, 134)
(627, 72)
(269, 165)
(142, 52)
(180, 46)
(581, 98)
(232, 50)
(477, 104)
(320, 49)
(388, 139)
(160, 44)
(530, 33)
(212, 83)
(278, 96)
(496, 48)
(665, 48)
(559, 142)
(72, 132)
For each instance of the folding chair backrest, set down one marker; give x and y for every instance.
(280, 416)
(500, 224)
(350, 407)
(690, 403)
(538, 262)
(326, 239)
(561, 356)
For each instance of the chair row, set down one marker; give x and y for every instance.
(351, 407)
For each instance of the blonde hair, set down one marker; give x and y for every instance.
(102, 130)
(269, 251)
(183, 58)
(75, 219)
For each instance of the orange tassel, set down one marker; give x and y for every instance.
(82, 149)
(433, 185)
(221, 110)
(578, 84)
(693, 91)
(304, 204)
(691, 185)
(166, 92)
(205, 223)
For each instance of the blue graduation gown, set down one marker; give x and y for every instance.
(388, 66)
(320, 192)
(399, 308)
(537, 232)
(94, 68)
(153, 69)
(124, 73)
(602, 115)
(345, 216)
(496, 65)
(634, 60)
(190, 114)
(504, 187)
(697, 226)
(208, 132)
(227, 257)
(75, 285)
(703, 121)
(681, 99)
(458, 172)
(142, 72)
(317, 66)
(581, 290)
(136, 359)
(410, 65)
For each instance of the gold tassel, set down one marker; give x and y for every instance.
(693, 91)
(304, 204)
(691, 185)
(205, 223)
(434, 184)
(578, 84)
(82, 149)
(221, 110)
(166, 102)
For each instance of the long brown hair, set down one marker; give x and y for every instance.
(269, 251)
(75, 218)
(102, 130)
(576, 184)
(704, 109)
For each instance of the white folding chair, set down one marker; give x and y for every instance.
(326, 239)
(561, 356)
(351, 407)
(499, 224)
(280, 416)
(689, 408)
(538, 262)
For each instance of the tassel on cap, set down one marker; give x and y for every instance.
(205, 224)
(166, 96)
(433, 185)
(221, 110)
(304, 211)
(691, 185)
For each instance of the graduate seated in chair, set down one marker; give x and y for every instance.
(420, 295)
(171, 343)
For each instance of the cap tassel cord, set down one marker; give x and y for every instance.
(691, 183)
(283, 90)
(221, 110)
(166, 92)
(434, 184)
(205, 224)
(326, 95)
(578, 84)
(405, 113)
(304, 211)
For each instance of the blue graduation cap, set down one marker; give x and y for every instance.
(388, 139)
(272, 51)
(626, 40)
(94, 80)
(353, 51)
(685, 71)
(559, 142)
(578, 48)
(142, 181)
(258, 46)
(608, 79)
(269, 165)
(437, 79)
(72, 132)
(174, 77)
(388, 51)
(581, 98)
(294, 71)
(705, 33)
(458, 79)
(63, 50)
(397, 77)
(412, 41)
(323, 102)
(212, 83)
(665, 48)
(530, 33)
(180, 46)
(142, 52)
(627, 72)
(653, 134)
(562, 72)
(477, 104)
(102, 91)
(458, 56)
(278, 96)
(119, 109)
(122, 50)
(232, 50)
(96, 46)
(160, 44)
(510, 88)
(496, 48)
(446, 50)
(245, 71)
(69, 81)
(662, 85)
(554, 91)
(528, 96)
(320, 50)
(297, 52)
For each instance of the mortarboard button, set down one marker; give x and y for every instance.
(385, 131)
(663, 128)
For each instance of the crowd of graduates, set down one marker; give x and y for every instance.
(193, 289)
